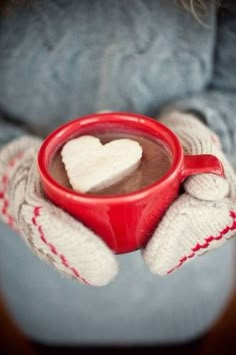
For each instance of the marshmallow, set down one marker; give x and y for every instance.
(92, 166)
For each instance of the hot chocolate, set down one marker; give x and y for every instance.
(154, 164)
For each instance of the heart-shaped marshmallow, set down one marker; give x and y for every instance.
(92, 166)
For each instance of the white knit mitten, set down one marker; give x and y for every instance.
(52, 234)
(202, 218)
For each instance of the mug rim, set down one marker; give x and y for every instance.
(114, 117)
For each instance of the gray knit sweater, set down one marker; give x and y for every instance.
(61, 59)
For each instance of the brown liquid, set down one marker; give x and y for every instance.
(154, 164)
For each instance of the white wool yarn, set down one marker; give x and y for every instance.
(204, 217)
(52, 234)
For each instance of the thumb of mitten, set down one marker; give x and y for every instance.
(208, 187)
(211, 187)
(197, 139)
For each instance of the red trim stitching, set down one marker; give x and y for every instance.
(11, 163)
(207, 242)
(64, 261)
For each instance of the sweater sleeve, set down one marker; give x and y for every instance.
(216, 106)
(10, 127)
(9, 130)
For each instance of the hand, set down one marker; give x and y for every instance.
(52, 234)
(204, 216)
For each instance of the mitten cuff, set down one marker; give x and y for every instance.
(196, 138)
(177, 120)
(17, 147)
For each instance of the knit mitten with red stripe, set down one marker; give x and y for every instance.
(204, 216)
(52, 234)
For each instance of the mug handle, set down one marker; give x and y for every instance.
(200, 164)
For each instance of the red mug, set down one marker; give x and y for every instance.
(125, 222)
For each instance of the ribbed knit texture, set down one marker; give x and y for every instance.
(61, 59)
(52, 234)
(204, 217)
(85, 56)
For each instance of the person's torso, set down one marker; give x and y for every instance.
(62, 59)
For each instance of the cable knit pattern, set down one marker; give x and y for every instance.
(197, 138)
(60, 59)
(53, 235)
(201, 219)
(74, 65)
(190, 228)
